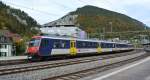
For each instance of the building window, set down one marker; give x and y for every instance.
(4, 46)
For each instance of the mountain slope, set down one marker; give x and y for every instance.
(98, 20)
(16, 21)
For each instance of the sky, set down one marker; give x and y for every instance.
(44, 11)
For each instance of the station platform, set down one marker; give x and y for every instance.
(13, 58)
(139, 70)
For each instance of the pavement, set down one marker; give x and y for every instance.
(139, 70)
(13, 58)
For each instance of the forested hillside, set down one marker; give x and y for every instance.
(17, 21)
(18, 25)
(97, 19)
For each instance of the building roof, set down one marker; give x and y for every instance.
(13, 36)
(5, 37)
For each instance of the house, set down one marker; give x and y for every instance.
(6, 44)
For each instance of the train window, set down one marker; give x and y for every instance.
(78, 44)
(110, 45)
(103, 45)
(106, 45)
(86, 44)
(56, 45)
(89, 45)
(63, 45)
(82, 44)
(113, 46)
(92, 45)
(60, 44)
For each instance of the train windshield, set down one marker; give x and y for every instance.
(34, 42)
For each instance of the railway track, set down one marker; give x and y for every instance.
(46, 65)
(25, 61)
(97, 70)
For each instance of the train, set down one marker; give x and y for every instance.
(40, 47)
(147, 47)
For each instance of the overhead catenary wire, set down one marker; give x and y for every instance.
(32, 9)
(105, 1)
(62, 5)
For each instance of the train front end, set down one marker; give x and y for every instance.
(33, 48)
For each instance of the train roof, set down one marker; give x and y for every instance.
(91, 40)
(146, 44)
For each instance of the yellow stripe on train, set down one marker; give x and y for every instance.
(73, 51)
(99, 50)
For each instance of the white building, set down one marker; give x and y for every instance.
(6, 46)
(69, 31)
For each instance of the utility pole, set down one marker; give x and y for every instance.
(103, 32)
(110, 26)
(100, 34)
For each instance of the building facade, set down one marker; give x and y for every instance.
(68, 31)
(6, 46)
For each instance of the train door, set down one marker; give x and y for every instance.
(99, 49)
(73, 50)
(45, 47)
(114, 47)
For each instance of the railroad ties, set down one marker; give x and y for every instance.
(101, 60)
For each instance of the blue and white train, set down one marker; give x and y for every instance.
(44, 46)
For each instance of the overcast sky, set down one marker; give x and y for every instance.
(49, 10)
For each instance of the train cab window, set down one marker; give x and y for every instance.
(34, 42)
